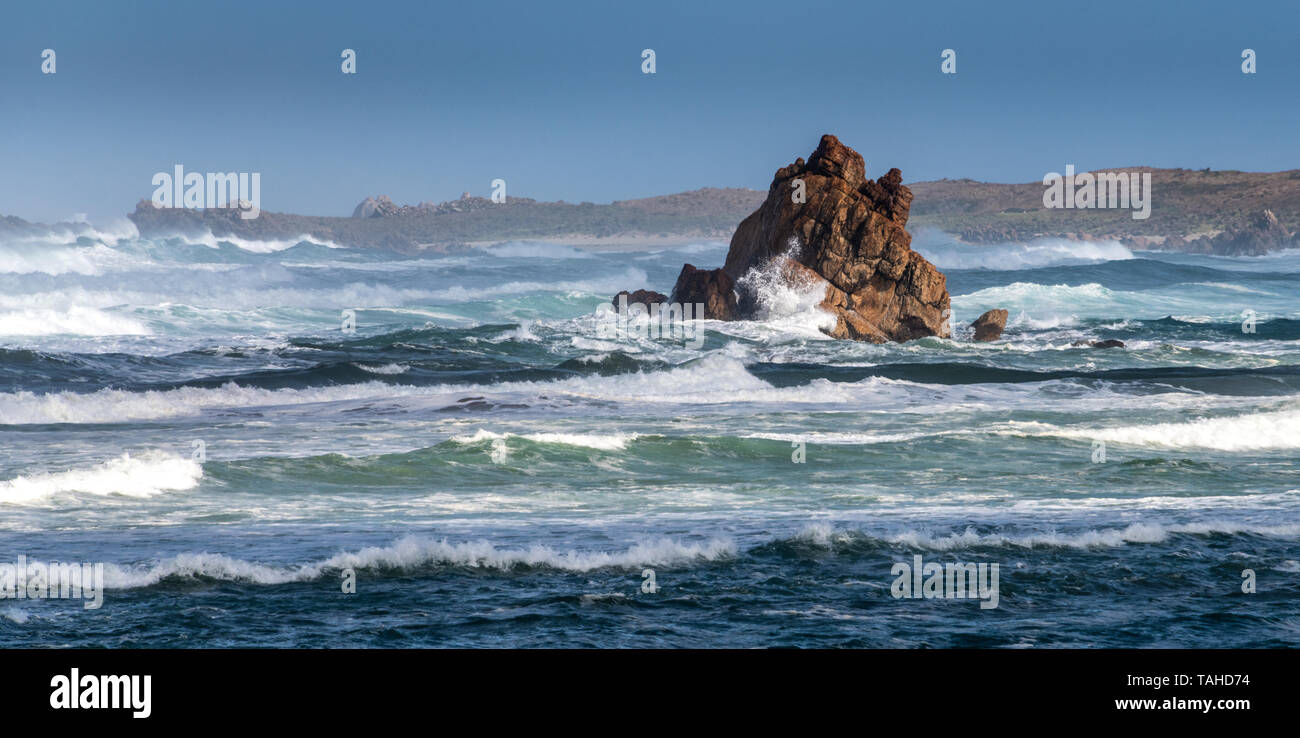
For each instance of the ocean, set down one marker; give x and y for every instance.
(297, 444)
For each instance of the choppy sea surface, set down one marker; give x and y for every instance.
(494, 472)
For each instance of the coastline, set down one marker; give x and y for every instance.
(623, 243)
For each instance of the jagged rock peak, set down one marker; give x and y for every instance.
(849, 231)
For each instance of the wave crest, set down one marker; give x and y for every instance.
(1261, 431)
(413, 552)
(948, 253)
(143, 475)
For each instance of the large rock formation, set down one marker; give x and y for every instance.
(825, 226)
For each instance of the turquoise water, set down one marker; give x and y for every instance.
(493, 472)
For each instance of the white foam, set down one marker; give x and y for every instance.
(142, 475)
(45, 258)
(200, 291)
(715, 379)
(536, 250)
(1135, 533)
(412, 552)
(598, 285)
(851, 439)
(786, 307)
(399, 265)
(1062, 304)
(821, 533)
(15, 614)
(389, 369)
(948, 253)
(522, 333)
(113, 405)
(589, 344)
(699, 248)
(712, 379)
(611, 442)
(1257, 431)
(257, 246)
(1022, 292)
(75, 320)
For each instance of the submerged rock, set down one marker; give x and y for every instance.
(989, 326)
(1108, 343)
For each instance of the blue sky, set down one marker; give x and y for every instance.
(550, 96)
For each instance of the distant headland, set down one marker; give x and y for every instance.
(1198, 211)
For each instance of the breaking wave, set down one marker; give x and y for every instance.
(74, 320)
(1251, 432)
(612, 442)
(413, 552)
(823, 534)
(416, 552)
(143, 475)
(948, 253)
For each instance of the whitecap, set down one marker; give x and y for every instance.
(143, 475)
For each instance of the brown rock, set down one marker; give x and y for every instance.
(849, 324)
(713, 288)
(645, 297)
(989, 326)
(850, 232)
